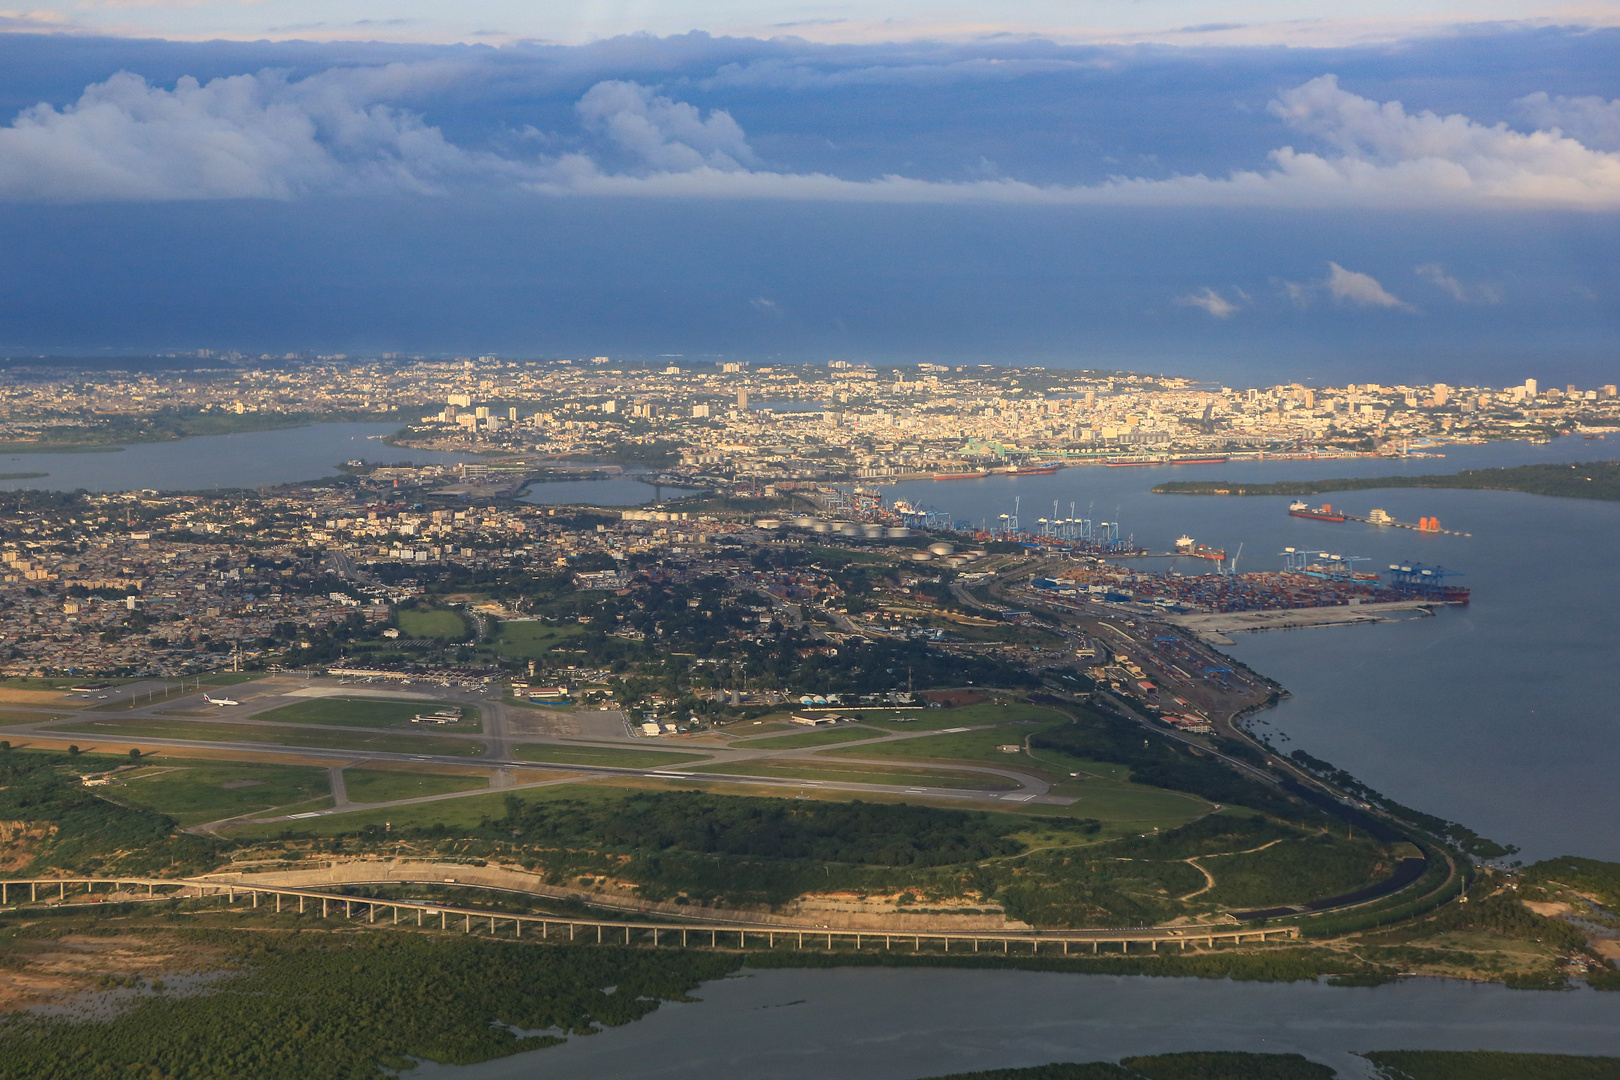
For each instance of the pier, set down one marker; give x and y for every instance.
(1435, 530)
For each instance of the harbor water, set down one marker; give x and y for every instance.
(1499, 714)
(897, 1024)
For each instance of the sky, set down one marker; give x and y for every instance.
(1242, 193)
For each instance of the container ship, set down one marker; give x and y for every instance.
(1325, 512)
(1188, 546)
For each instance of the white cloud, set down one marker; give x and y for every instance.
(1381, 156)
(1436, 275)
(246, 136)
(1361, 289)
(768, 307)
(1211, 301)
(665, 135)
(263, 136)
(1592, 120)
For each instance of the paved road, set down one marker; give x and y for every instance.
(498, 737)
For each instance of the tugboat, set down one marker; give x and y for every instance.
(1325, 512)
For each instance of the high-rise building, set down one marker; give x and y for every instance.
(610, 406)
(1610, 391)
(700, 412)
(742, 399)
(1442, 393)
(462, 400)
(1529, 388)
(511, 414)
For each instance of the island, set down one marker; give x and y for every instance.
(1580, 480)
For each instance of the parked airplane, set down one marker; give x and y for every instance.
(220, 700)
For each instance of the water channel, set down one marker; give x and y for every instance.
(896, 1024)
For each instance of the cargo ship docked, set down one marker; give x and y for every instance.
(1188, 546)
(1034, 469)
(976, 474)
(1325, 512)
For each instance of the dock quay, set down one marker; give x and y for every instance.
(1214, 628)
(1386, 520)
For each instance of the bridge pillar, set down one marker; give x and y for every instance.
(255, 897)
(418, 916)
(517, 928)
(885, 941)
(33, 892)
(1095, 945)
(801, 939)
(278, 903)
(371, 913)
(467, 928)
(61, 890)
(857, 943)
(1125, 945)
(1155, 944)
(683, 938)
(4, 894)
(599, 933)
(230, 896)
(1065, 948)
(655, 937)
(627, 935)
(1006, 946)
(443, 921)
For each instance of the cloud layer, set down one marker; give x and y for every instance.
(344, 131)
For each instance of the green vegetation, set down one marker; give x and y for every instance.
(193, 792)
(360, 1007)
(824, 737)
(921, 776)
(1163, 763)
(249, 732)
(1583, 480)
(533, 640)
(437, 623)
(365, 785)
(1589, 876)
(22, 475)
(55, 823)
(980, 745)
(1491, 1065)
(366, 712)
(609, 756)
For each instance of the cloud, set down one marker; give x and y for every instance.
(1361, 289)
(1436, 275)
(246, 136)
(1593, 120)
(767, 307)
(345, 131)
(662, 134)
(1211, 301)
(1378, 156)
